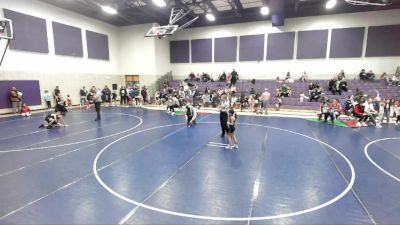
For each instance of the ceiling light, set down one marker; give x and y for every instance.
(210, 17)
(160, 3)
(264, 10)
(109, 10)
(330, 4)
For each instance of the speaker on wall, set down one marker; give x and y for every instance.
(114, 87)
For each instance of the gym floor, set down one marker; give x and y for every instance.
(140, 166)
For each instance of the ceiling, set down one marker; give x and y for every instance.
(131, 12)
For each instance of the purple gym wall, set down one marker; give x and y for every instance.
(30, 33)
(97, 45)
(383, 41)
(280, 46)
(29, 88)
(179, 51)
(67, 40)
(251, 48)
(225, 49)
(201, 50)
(347, 42)
(312, 44)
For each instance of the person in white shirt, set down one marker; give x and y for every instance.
(265, 97)
(371, 113)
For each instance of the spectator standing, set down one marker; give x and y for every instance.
(47, 99)
(56, 92)
(265, 97)
(124, 96)
(234, 78)
(16, 99)
(83, 93)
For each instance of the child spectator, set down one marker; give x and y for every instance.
(69, 101)
(114, 98)
(25, 110)
(47, 99)
(278, 104)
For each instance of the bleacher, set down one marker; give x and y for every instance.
(293, 102)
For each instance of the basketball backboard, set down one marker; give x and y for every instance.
(6, 31)
(160, 31)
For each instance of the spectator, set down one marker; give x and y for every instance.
(56, 92)
(25, 110)
(278, 104)
(235, 78)
(265, 97)
(47, 99)
(386, 110)
(287, 76)
(124, 95)
(106, 95)
(303, 96)
(83, 93)
(363, 75)
(15, 99)
(370, 75)
(222, 77)
(304, 77)
(341, 75)
(398, 112)
(311, 87)
(69, 101)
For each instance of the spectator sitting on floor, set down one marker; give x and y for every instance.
(371, 112)
(363, 75)
(349, 105)
(324, 109)
(335, 109)
(25, 110)
(370, 75)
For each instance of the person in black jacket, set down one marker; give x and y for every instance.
(123, 93)
(106, 95)
(234, 79)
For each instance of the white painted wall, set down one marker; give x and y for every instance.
(70, 73)
(24, 61)
(316, 68)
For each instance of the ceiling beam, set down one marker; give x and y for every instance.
(239, 5)
(211, 6)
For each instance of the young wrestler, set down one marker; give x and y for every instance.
(54, 120)
(190, 115)
(233, 143)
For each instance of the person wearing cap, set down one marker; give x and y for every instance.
(265, 97)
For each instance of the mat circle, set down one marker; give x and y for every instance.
(194, 216)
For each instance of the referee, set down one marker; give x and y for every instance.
(223, 114)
